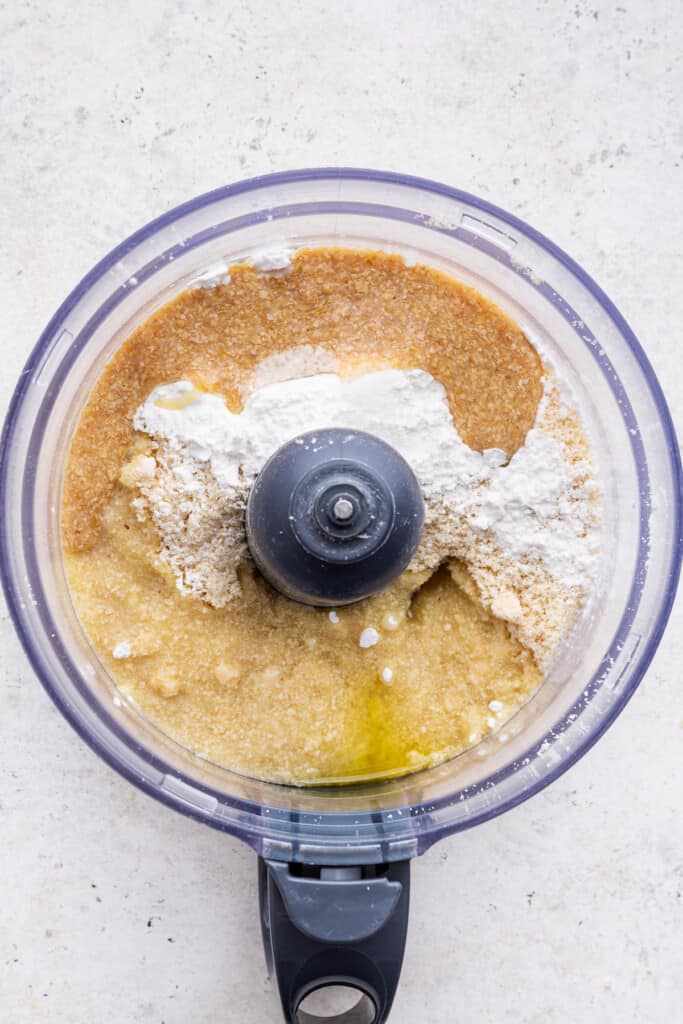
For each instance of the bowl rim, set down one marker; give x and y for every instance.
(428, 833)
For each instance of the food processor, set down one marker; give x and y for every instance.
(334, 860)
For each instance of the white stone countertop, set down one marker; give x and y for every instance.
(567, 910)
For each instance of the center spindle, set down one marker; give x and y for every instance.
(334, 516)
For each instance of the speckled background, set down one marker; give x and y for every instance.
(568, 909)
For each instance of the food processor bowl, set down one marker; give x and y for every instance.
(317, 840)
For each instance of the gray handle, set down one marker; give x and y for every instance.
(341, 926)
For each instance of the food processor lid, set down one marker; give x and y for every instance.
(334, 516)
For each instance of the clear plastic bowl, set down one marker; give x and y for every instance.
(559, 307)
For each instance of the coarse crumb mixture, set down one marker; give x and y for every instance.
(263, 685)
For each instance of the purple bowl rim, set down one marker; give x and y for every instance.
(437, 831)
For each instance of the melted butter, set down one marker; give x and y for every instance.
(376, 747)
(326, 717)
(179, 401)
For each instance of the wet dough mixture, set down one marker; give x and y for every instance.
(263, 685)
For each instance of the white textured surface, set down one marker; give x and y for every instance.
(568, 909)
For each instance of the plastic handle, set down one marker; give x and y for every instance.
(341, 926)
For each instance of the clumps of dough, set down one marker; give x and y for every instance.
(139, 471)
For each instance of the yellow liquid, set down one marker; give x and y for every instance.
(279, 691)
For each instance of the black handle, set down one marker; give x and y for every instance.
(341, 926)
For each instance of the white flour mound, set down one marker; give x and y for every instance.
(528, 529)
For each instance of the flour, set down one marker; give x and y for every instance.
(275, 257)
(527, 529)
(213, 276)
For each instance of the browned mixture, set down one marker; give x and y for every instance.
(264, 685)
(368, 308)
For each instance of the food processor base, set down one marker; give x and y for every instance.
(335, 926)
